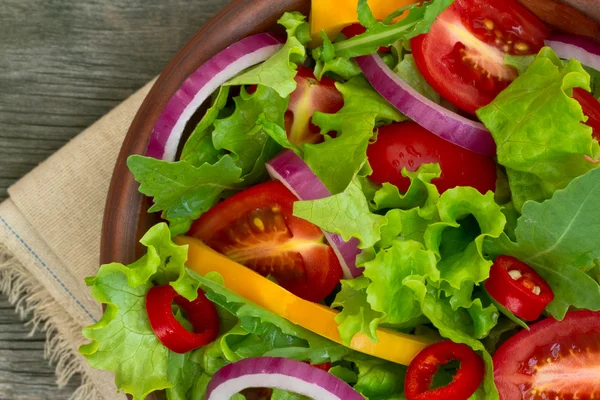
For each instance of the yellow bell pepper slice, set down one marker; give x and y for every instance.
(392, 346)
(332, 16)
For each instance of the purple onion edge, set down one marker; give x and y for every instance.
(287, 367)
(578, 41)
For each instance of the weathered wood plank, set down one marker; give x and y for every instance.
(64, 64)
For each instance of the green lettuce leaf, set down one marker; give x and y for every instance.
(179, 189)
(346, 214)
(407, 70)
(279, 71)
(338, 160)
(559, 239)
(378, 379)
(542, 149)
(199, 148)
(243, 136)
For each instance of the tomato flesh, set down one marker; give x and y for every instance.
(591, 109)
(425, 365)
(256, 228)
(462, 57)
(517, 287)
(408, 145)
(554, 360)
(310, 95)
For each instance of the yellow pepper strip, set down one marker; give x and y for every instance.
(332, 16)
(392, 346)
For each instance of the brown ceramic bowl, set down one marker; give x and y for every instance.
(126, 218)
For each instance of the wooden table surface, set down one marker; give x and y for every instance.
(64, 64)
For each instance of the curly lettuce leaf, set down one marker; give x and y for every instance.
(346, 214)
(357, 314)
(338, 159)
(243, 136)
(408, 71)
(378, 379)
(538, 128)
(180, 190)
(279, 71)
(467, 218)
(559, 239)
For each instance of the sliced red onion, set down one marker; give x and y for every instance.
(585, 50)
(200, 85)
(446, 124)
(278, 373)
(288, 168)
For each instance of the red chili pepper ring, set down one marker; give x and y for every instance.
(201, 313)
(425, 365)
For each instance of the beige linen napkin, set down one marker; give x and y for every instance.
(50, 241)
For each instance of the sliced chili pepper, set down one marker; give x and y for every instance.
(425, 365)
(201, 313)
(357, 29)
(517, 287)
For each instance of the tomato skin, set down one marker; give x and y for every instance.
(256, 228)
(310, 95)
(408, 145)
(591, 109)
(556, 359)
(201, 313)
(425, 365)
(357, 29)
(462, 57)
(517, 294)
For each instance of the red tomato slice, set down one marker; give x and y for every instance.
(256, 228)
(554, 360)
(408, 145)
(591, 109)
(462, 57)
(310, 96)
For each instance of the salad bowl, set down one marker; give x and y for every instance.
(419, 105)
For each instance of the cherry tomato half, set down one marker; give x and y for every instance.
(462, 57)
(357, 29)
(256, 228)
(408, 145)
(310, 95)
(201, 313)
(425, 365)
(591, 109)
(553, 360)
(517, 287)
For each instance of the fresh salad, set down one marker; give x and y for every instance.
(397, 201)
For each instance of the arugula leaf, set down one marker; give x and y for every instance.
(386, 294)
(418, 21)
(357, 314)
(559, 239)
(467, 218)
(181, 190)
(325, 61)
(338, 160)
(542, 149)
(279, 71)
(199, 148)
(346, 214)
(243, 136)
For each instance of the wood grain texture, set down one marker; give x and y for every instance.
(64, 64)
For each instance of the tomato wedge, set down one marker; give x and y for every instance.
(554, 360)
(516, 286)
(256, 228)
(310, 95)
(462, 57)
(591, 109)
(425, 365)
(408, 145)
